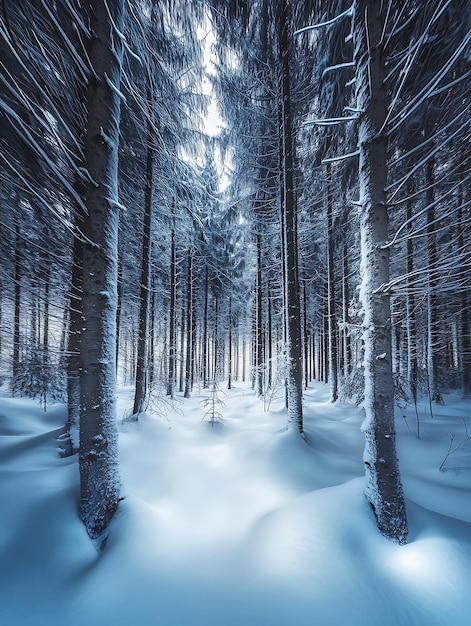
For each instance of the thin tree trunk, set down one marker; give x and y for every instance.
(259, 363)
(464, 273)
(189, 327)
(205, 330)
(73, 349)
(384, 488)
(15, 386)
(332, 337)
(432, 300)
(172, 314)
(98, 458)
(143, 333)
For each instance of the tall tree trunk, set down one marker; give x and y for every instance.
(332, 338)
(205, 331)
(432, 299)
(412, 366)
(73, 349)
(464, 258)
(384, 488)
(15, 384)
(288, 207)
(45, 342)
(229, 379)
(119, 289)
(189, 327)
(346, 343)
(98, 458)
(259, 363)
(143, 333)
(172, 340)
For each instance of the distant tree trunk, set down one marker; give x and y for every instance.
(259, 342)
(172, 313)
(216, 339)
(98, 457)
(205, 330)
(15, 386)
(45, 344)
(144, 300)
(229, 380)
(288, 204)
(384, 488)
(118, 308)
(73, 357)
(151, 356)
(189, 327)
(464, 258)
(305, 336)
(182, 345)
(332, 337)
(270, 338)
(346, 347)
(412, 366)
(432, 299)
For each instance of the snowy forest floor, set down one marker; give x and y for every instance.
(237, 523)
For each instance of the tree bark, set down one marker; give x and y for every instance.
(142, 364)
(332, 324)
(384, 488)
(289, 209)
(98, 458)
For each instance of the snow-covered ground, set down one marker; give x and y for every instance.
(238, 524)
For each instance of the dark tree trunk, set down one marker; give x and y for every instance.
(432, 304)
(172, 313)
(332, 321)
(73, 360)
(288, 207)
(259, 365)
(205, 331)
(229, 379)
(15, 386)
(98, 458)
(464, 275)
(143, 333)
(189, 327)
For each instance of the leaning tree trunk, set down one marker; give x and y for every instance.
(288, 207)
(98, 458)
(384, 488)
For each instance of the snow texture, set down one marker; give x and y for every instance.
(243, 522)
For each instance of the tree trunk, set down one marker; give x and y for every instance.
(189, 327)
(205, 331)
(142, 364)
(384, 488)
(73, 359)
(288, 207)
(172, 313)
(432, 299)
(464, 272)
(15, 386)
(98, 458)
(412, 366)
(332, 336)
(259, 365)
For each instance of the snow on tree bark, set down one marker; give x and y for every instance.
(384, 488)
(98, 456)
(289, 223)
